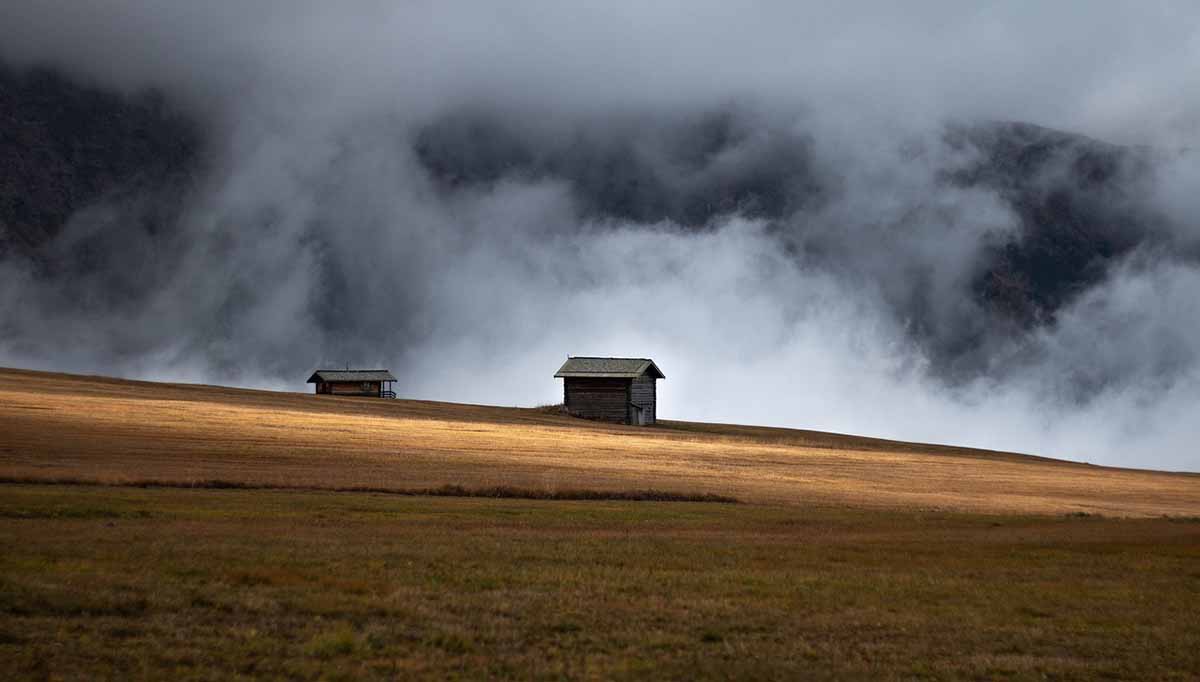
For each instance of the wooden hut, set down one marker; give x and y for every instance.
(620, 390)
(372, 383)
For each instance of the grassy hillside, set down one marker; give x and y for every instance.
(851, 559)
(69, 427)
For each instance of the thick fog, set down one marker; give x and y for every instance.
(807, 216)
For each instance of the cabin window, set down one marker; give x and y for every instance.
(366, 386)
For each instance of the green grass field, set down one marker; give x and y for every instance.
(119, 583)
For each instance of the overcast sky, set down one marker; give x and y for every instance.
(325, 229)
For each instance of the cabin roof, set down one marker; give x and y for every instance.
(609, 368)
(326, 375)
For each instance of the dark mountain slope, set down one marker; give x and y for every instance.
(65, 146)
(684, 169)
(1081, 205)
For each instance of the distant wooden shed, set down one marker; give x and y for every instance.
(373, 383)
(620, 390)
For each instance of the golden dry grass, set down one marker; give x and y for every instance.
(63, 426)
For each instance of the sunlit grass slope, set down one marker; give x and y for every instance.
(56, 426)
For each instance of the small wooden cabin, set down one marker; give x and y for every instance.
(372, 383)
(619, 390)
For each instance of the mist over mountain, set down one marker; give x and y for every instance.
(337, 189)
(67, 147)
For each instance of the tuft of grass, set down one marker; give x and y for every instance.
(511, 492)
(73, 513)
(1184, 519)
(341, 641)
(557, 408)
(447, 490)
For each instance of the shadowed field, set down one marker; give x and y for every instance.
(55, 426)
(126, 583)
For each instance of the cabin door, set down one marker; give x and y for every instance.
(639, 415)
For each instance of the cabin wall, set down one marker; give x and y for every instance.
(643, 393)
(350, 388)
(599, 399)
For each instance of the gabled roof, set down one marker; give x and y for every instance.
(609, 368)
(323, 375)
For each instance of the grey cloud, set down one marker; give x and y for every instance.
(808, 207)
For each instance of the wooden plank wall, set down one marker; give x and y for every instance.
(643, 394)
(600, 399)
(352, 388)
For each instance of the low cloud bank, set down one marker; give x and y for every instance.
(805, 219)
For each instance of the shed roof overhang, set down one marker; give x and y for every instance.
(332, 375)
(609, 368)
